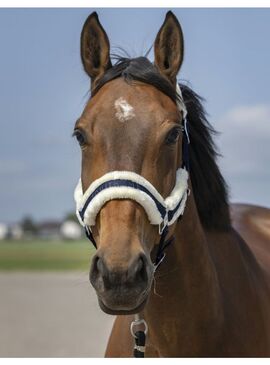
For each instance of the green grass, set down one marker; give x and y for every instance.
(45, 255)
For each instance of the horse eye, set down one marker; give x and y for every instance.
(79, 136)
(173, 135)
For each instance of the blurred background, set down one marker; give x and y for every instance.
(47, 307)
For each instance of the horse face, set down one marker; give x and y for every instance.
(130, 127)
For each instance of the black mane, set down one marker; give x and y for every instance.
(209, 187)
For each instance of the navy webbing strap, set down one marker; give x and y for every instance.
(139, 348)
(90, 236)
(163, 243)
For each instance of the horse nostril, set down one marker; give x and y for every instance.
(139, 269)
(98, 266)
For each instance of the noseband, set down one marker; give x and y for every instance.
(129, 185)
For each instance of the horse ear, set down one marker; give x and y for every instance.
(169, 47)
(95, 48)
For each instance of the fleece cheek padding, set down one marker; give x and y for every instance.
(181, 186)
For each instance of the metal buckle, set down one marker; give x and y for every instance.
(163, 224)
(137, 322)
(185, 130)
(160, 261)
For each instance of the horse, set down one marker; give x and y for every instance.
(209, 295)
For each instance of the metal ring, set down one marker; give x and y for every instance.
(164, 223)
(136, 323)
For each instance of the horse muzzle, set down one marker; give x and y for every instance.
(121, 290)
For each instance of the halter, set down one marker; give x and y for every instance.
(129, 185)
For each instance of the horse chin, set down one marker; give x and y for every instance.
(121, 311)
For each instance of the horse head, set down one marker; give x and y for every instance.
(131, 123)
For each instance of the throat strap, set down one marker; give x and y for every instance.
(163, 244)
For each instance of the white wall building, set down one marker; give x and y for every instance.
(3, 231)
(71, 230)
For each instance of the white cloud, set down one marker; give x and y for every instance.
(245, 146)
(249, 120)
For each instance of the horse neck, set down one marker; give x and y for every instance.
(185, 298)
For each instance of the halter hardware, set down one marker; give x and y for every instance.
(140, 336)
(185, 130)
(164, 223)
(137, 321)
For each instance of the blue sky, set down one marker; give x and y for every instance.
(44, 90)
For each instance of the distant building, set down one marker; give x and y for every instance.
(3, 231)
(49, 230)
(16, 232)
(70, 230)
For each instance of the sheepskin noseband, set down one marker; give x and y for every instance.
(129, 185)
